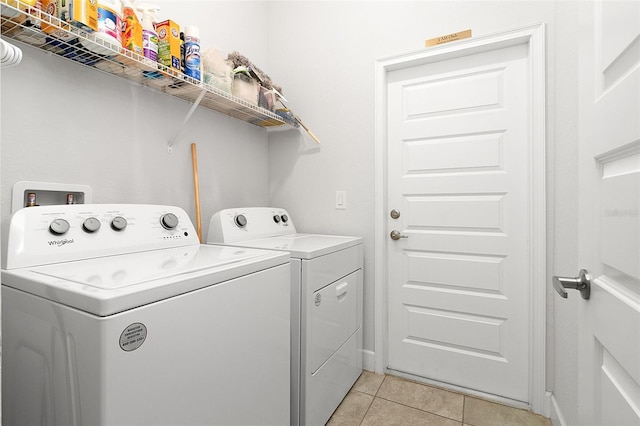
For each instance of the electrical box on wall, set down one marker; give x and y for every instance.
(31, 194)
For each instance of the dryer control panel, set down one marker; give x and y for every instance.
(61, 233)
(249, 223)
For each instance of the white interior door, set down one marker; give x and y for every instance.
(459, 172)
(609, 212)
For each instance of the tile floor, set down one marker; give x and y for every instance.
(382, 400)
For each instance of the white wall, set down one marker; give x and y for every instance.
(63, 123)
(327, 70)
(562, 121)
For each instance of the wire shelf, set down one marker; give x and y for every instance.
(48, 33)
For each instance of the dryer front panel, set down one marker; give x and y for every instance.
(333, 318)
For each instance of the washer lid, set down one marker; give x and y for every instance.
(304, 246)
(107, 285)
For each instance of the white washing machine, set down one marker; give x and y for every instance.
(326, 304)
(117, 315)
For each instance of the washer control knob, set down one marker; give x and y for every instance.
(285, 218)
(59, 227)
(169, 221)
(118, 223)
(91, 224)
(276, 218)
(240, 220)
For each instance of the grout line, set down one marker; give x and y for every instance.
(415, 408)
(420, 409)
(375, 395)
(367, 412)
(464, 403)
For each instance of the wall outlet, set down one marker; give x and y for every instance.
(341, 200)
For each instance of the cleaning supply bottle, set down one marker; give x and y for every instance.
(149, 35)
(192, 52)
(182, 52)
(109, 35)
(131, 28)
(110, 22)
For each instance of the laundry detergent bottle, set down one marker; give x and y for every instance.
(131, 28)
(110, 20)
(149, 35)
(109, 27)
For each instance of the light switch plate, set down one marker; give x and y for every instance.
(341, 200)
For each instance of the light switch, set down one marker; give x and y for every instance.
(341, 200)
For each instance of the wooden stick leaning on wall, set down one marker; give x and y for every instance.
(196, 189)
(304, 126)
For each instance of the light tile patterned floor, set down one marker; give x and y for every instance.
(381, 400)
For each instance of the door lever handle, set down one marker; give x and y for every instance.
(581, 283)
(396, 235)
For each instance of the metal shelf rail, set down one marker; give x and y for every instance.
(82, 47)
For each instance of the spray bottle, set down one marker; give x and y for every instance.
(131, 28)
(149, 35)
(192, 52)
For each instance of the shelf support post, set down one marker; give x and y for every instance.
(185, 121)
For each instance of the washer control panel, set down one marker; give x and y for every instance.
(249, 223)
(52, 234)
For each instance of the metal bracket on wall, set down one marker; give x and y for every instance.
(185, 121)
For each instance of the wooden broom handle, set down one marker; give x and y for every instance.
(196, 188)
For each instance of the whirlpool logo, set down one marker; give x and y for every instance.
(61, 243)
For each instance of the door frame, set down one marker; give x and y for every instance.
(534, 37)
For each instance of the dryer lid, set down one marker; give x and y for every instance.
(304, 246)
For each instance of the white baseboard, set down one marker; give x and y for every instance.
(368, 360)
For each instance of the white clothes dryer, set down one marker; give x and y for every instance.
(116, 315)
(326, 304)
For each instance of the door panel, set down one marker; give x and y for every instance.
(609, 107)
(459, 171)
(443, 155)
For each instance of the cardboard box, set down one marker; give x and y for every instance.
(53, 8)
(81, 13)
(169, 44)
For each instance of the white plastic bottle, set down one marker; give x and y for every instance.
(110, 21)
(192, 61)
(149, 35)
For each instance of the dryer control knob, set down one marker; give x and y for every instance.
(285, 218)
(169, 221)
(240, 220)
(91, 224)
(276, 218)
(118, 223)
(59, 227)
